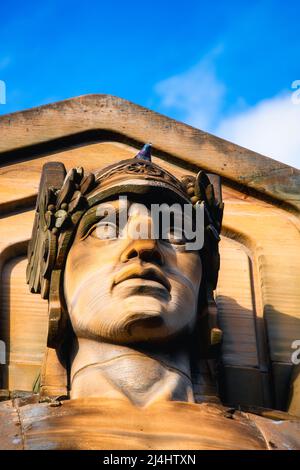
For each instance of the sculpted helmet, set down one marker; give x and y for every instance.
(64, 197)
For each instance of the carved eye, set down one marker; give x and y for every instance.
(176, 236)
(104, 231)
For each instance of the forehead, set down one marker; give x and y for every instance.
(116, 205)
(132, 202)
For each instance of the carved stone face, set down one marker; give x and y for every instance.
(127, 290)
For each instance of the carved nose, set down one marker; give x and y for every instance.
(145, 250)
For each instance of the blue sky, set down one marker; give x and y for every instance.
(224, 66)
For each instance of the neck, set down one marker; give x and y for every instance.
(135, 374)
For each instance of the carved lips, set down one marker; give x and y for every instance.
(136, 271)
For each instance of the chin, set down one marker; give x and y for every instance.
(144, 319)
(133, 320)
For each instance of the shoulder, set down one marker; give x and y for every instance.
(28, 424)
(11, 429)
(280, 430)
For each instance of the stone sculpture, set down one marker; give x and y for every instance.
(133, 334)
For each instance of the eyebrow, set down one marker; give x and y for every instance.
(91, 217)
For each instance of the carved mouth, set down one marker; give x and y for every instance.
(138, 272)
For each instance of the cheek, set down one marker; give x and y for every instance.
(189, 264)
(185, 290)
(88, 263)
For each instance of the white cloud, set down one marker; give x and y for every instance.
(271, 127)
(196, 95)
